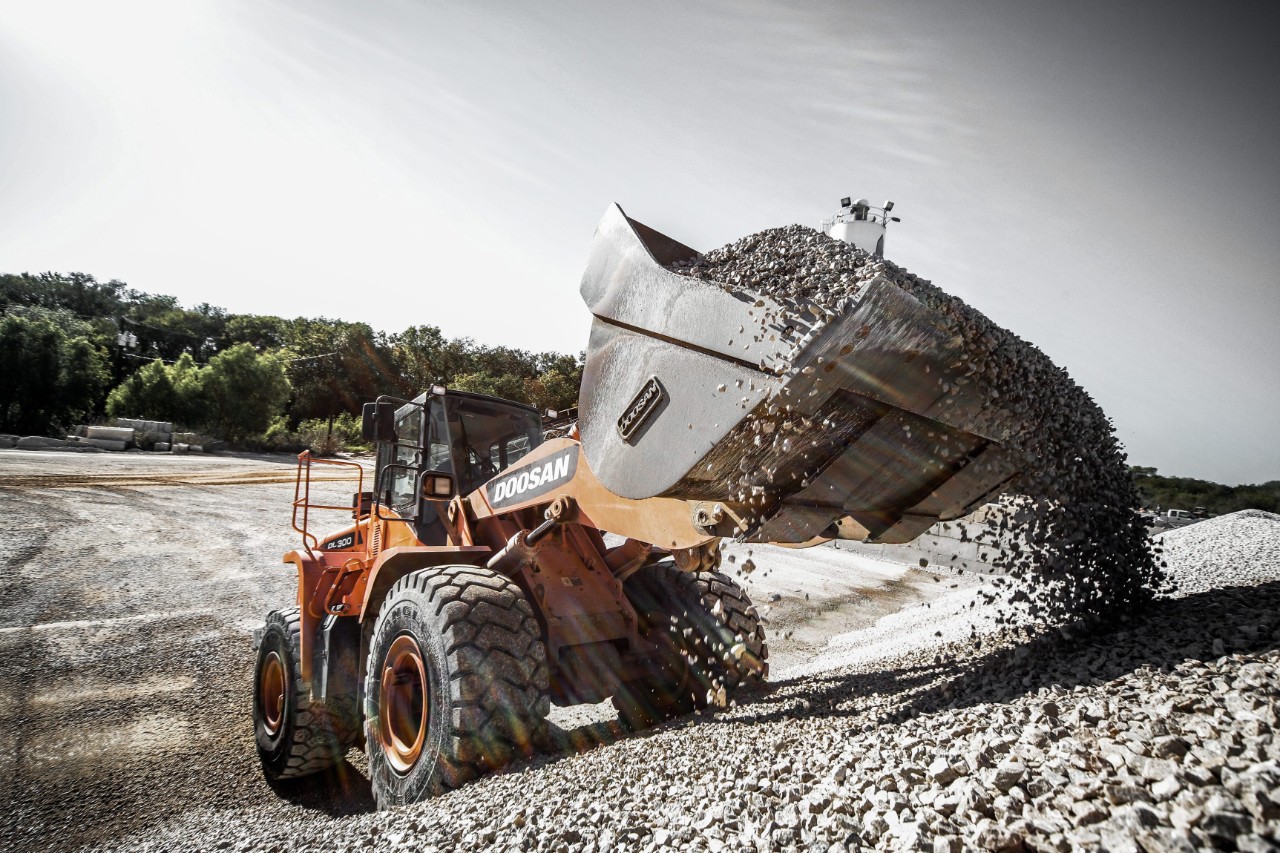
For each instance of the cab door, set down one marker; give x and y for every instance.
(421, 448)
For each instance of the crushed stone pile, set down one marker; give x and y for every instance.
(1085, 554)
(1155, 737)
(1242, 548)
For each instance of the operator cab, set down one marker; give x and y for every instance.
(444, 443)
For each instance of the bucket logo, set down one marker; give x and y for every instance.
(641, 407)
(533, 480)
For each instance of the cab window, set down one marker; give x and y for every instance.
(439, 458)
(488, 437)
(404, 477)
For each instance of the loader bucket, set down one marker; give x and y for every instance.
(861, 425)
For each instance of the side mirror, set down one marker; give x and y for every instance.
(378, 422)
(437, 486)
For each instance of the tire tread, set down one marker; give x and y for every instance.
(323, 732)
(497, 669)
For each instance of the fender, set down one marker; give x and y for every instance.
(391, 565)
(394, 563)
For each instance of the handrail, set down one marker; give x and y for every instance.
(302, 496)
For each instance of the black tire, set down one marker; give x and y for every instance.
(466, 682)
(709, 640)
(295, 736)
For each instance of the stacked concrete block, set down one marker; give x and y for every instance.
(195, 442)
(108, 438)
(148, 434)
(124, 434)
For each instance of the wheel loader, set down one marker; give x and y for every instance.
(489, 571)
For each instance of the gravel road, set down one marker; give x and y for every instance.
(124, 638)
(900, 714)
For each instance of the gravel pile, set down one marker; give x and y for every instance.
(1156, 737)
(1085, 554)
(1239, 549)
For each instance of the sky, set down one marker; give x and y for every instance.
(1099, 177)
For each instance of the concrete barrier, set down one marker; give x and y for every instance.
(105, 443)
(147, 434)
(145, 426)
(124, 434)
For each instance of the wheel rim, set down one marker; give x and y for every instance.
(271, 693)
(402, 704)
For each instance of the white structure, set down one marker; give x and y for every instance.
(860, 224)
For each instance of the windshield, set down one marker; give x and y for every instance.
(488, 437)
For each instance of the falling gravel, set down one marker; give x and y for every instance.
(1079, 552)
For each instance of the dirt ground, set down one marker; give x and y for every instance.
(129, 588)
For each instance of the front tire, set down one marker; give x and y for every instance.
(456, 683)
(295, 736)
(709, 638)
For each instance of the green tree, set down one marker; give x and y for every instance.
(506, 386)
(244, 390)
(51, 378)
(263, 331)
(77, 293)
(147, 393)
(336, 367)
(559, 379)
(159, 391)
(1187, 493)
(85, 376)
(422, 356)
(187, 379)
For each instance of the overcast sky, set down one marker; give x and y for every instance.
(1100, 178)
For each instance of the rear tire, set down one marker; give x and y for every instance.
(709, 638)
(296, 737)
(456, 683)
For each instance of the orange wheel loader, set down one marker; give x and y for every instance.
(489, 571)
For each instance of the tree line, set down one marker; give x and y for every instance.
(75, 349)
(1187, 493)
